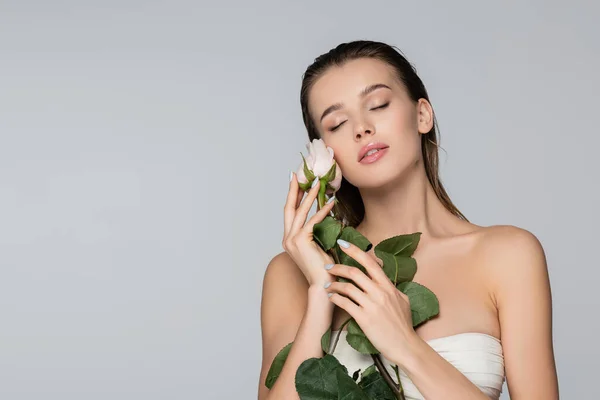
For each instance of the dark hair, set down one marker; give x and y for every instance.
(350, 206)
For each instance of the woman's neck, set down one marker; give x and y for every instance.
(405, 207)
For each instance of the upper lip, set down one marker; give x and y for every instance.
(371, 146)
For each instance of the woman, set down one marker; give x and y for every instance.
(495, 318)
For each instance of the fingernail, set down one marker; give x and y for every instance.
(329, 294)
(315, 182)
(329, 266)
(327, 284)
(343, 243)
(291, 175)
(369, 247)
(330, 200)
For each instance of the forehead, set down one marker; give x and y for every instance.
(343, 83)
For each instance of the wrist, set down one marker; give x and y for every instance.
(318, 281)
(410, 355)
(319, 308)
(317, 297)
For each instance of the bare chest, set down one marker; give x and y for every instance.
(458, 279)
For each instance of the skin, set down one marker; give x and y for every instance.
(491, 280)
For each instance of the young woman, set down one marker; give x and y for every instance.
(495, 318)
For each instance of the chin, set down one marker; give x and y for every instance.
(373, 178)
(380, 174)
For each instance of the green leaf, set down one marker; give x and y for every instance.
(277, 365)
(330, 175)
(401, 245)
(348, 389)
(307, 172)
(327, 232)
(368, 371)
(305, 186)
(356, 375)
(347, 260)
(316, 378)
(374, 385)
(397, 268)
(325, 340)
(424, 304)
(351, 235)
(395, 252)
(358, 340)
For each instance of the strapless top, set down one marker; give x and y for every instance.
(477, 355)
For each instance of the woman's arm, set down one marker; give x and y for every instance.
(524, 302)
(434, 376)
(521, 288)
(291, 310)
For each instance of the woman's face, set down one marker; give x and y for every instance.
(385, 115)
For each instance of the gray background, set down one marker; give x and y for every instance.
(144, 159)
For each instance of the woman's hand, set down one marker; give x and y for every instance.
(298, 233)
(381, 310)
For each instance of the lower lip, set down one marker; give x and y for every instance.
(374, 157)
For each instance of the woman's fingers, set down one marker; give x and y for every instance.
(349, 290)
(304, 208)
(346, 304)
(291, 203)
(356, 275)
(299, 197)
(371, 266)
(319, 215)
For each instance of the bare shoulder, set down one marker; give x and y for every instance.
(510, 253)
(284, 294)
(282, 272)
(508, 242)
(284, 299)
(499, 238)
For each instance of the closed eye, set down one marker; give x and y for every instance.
(335, 127)
(381, 106)
(372, 109)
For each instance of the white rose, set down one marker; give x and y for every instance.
(320, 164)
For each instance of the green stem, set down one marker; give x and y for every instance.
(337, 337)
(321, 196)
(334, 255)
(399, 382)
(396, 388)
(386, 375)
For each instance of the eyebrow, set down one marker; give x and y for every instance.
(363, 93)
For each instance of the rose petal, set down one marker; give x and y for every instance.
(323, 158)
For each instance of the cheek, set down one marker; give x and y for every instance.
(343, 153)
(399, 121)
(405, 133)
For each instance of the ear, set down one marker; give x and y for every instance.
(424, 116)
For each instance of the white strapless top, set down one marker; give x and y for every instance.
(477, 355)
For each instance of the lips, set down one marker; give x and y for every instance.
(369, 147)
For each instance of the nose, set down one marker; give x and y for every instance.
(363, 130)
